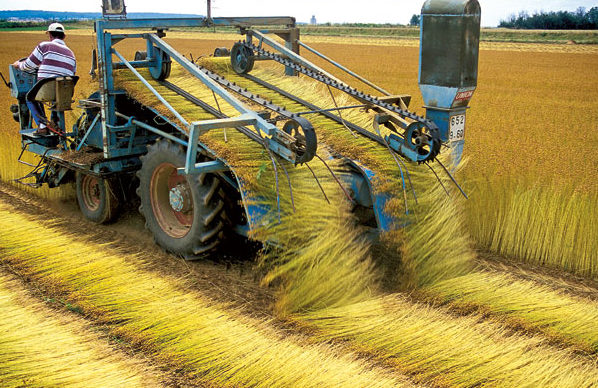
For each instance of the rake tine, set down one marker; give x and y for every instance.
(438, 178)
(339, 111)
(453, 179)
(404, 189)
(219, 110)
(409, 179)
(318, 182)
(377, 128)
(275, 175)
(277, 189)
(402, 176)
(290, 187)
(336, 178)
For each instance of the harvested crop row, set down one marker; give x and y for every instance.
(449, 350)
(203, 339)
(524, 303)
(182, 333)
(40, 348)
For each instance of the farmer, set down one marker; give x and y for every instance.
(51, 59)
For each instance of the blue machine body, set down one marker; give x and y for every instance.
(449, 50)
(21, 82)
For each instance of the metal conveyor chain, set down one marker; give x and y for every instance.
(248, 94)
(347, 89)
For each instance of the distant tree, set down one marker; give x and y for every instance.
(592, 17)
(560, 20)
(414, 20)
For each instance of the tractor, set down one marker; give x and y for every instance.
(184, 187)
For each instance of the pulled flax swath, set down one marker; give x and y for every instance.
(448, 350)
(203, 339)
(38, 347)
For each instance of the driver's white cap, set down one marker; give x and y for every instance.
(55, 27)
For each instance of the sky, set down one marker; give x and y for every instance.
(333, 11)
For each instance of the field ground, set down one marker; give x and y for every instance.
(506, 322)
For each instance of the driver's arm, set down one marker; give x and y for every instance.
(33, 61)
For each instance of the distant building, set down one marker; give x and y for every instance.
(313, 20)
(25, 19)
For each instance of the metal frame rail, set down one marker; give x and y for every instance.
(274, 139)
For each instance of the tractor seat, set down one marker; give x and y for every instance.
(58, 90)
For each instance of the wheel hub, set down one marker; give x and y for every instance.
(171, 199)
(90, 188)
(180, 198)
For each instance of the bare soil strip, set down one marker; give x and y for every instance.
(561, 281)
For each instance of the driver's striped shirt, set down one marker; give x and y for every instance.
(51, 59)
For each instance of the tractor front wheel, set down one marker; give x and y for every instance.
(184, 213)
(96, 198)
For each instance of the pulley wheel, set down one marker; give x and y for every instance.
(140, 55)
(221, 52)
(419, 139)
(306, 142)
(242, 58)
(161, 70)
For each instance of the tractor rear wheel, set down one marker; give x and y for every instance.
(96, 198)
(184, 213)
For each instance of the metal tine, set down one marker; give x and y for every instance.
(40, 165)
(438, 178)
(402, 176)
(452, 178)
(336, 178)
(339, 111)
(377, 128)
(409, 179)
(318, 182)
(21, 155)
(289, 181)
(404, 189)
(277, 188)
(219, 110)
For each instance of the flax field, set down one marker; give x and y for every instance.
(497, 290)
